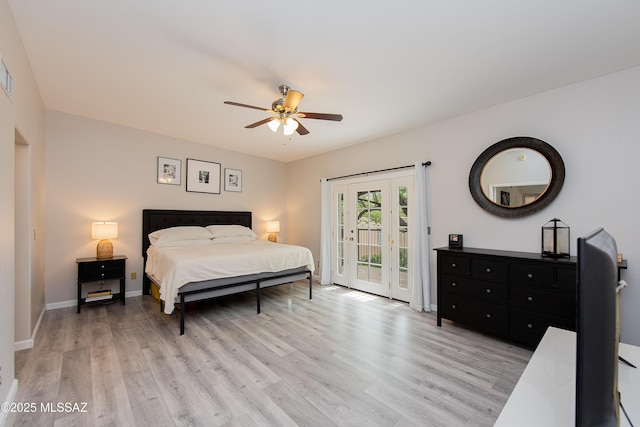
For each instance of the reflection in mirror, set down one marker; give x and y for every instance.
(515, 177)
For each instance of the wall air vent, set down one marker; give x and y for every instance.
(5, 79)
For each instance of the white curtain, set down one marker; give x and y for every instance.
(421, 285)
(325, 232)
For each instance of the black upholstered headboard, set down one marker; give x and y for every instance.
(157, 219)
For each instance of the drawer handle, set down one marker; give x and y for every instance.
(453, 306)
(453, 265)
(529, 299)
(488, 290)
(530, 276)
(454, 284)
(488, 270)
(529, 325)
(102, 266)
(102, 274)
(488, 315)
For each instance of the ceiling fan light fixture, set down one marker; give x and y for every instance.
(274, 124)
(286, 113)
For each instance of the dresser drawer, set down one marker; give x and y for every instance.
(567, 279)
(453, 265)
(532, 274)
(528, 327)
(490, 269)
(467, 286)
(101, 270)
(548, 302)
(487, 316)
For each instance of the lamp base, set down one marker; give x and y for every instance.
(273, 238)
(105, 249)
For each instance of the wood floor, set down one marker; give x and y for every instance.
(345, 358)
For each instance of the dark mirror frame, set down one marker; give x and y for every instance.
(557, 176)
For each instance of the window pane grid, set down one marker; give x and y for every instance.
(403, 238)
(369, 237)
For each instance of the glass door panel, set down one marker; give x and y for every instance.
(402, 191)
(371, 237)
(339, 238)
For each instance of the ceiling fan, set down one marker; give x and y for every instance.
(287, 112)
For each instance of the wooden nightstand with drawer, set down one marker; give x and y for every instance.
(98, 270)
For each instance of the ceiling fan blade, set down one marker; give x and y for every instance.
(292, 99)
(321, 116)
(301, 129)
(261, 122)
(237, 104)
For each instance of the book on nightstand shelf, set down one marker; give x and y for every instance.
(98, 296)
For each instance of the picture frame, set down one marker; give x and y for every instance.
(169, 171)
(232, 180)
(203, 176)
(505, 198)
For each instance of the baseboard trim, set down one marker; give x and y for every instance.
(62, 304)
(73, 303)
(23, 345)
(26, 344)
(13, 390)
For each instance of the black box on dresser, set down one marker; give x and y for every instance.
(514, 295)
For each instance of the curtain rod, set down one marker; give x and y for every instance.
(427, 163)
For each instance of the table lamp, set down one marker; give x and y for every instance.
(104, 231)
(273, 227)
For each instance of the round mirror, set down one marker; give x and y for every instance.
(516, 177)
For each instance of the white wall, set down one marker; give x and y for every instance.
(7, 270)
(100, 171)
(594, 126)
(23, 113)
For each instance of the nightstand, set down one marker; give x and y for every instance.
(98, 270)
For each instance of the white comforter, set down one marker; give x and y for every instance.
(175, 266)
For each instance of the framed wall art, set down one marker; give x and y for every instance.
(203, 177)
(169, 171)
(232, 180)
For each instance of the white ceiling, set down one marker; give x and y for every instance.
(166, 66)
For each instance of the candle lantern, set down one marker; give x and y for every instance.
(555, 239)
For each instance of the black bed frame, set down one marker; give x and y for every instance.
(157, 219)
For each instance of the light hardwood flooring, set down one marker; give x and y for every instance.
(345, 358)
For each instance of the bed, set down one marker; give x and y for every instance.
(195, 282)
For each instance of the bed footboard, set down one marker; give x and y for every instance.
(237, 287)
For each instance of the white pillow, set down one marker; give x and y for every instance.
(230, 231)
(192, 242)
(232, 239)
(172, 234)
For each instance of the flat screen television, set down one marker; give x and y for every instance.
(598, 331)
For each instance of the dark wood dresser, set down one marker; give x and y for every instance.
(514, 295)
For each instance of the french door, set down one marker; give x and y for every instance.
(370, 235)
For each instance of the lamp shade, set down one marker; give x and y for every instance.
(274, 124)
(104, 230)
(290, 125)
(273, 227)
